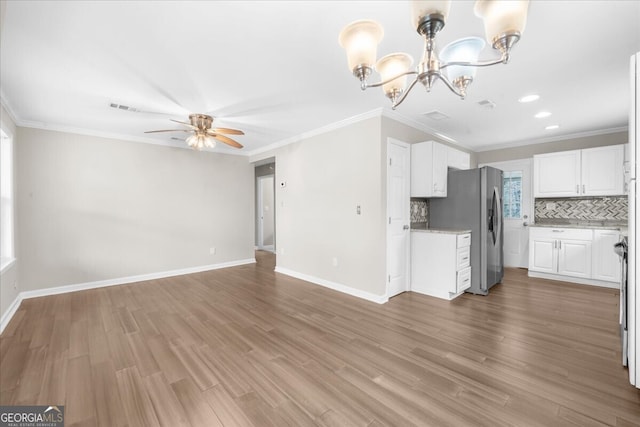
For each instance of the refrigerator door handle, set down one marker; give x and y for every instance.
(495, 215)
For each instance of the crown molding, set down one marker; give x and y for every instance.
(116, 136)
(7, 107)
(557, 138)
(315, 132)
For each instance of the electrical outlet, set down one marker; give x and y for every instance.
(212, 250)
(358, 210)
(551, 206)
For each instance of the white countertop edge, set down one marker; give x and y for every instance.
(441, 231)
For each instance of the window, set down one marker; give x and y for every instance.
(6, 200)
(512, 195)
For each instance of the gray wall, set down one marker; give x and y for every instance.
(95, 209)
(527, 151)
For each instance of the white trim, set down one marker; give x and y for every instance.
(118, 137)
(6, 264)
(379, 299)
(581, 281)
(7, 107)
(315, 132)
(6, 317)
(550, 139)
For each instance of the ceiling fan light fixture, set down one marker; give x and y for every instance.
(199, 140)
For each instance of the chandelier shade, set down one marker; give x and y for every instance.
(360, 39)
(199, 140)
(464, 50)
(390, 66)
(455, 66)
(502, 18)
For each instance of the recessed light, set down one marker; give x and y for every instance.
(542, 115)
(529, 98)
(552, 127)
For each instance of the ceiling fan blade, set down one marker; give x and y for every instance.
(224, 139)
(228, 131)
(168, 130)
(184, 123)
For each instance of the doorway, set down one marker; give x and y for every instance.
(517, 203)
(265, 213)
(398, 213)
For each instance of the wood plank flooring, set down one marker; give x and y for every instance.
(245, 346)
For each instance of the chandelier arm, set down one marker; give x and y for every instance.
(404, 95)
(368, 85)
(451, 86)
(474, 64)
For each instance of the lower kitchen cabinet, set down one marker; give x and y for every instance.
(572, 254)
(606, 263)
(440, 263)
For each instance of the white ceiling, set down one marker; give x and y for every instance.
(276, 70)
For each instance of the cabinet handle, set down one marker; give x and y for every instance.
(435, 187)
(577, 188)
(559, 244)
(583, 190)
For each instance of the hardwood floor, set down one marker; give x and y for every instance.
(246, 346)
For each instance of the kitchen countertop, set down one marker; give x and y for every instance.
(587, 226)
(441, 230)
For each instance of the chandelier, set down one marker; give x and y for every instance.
(455, 65)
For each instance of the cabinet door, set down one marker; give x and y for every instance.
(606, 263)
(574, 258)
(421, 169)
(458, 159)
(439, 170)
(556, 174)
(542, 255)
(603, 171)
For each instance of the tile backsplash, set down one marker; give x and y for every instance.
(599, 209)
(419, 213)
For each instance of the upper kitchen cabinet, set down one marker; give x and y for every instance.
(556, 174)
(590, 172)
(457, 159)
(428, 169)
(603, 171)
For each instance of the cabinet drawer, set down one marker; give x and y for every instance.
(463, 240)
(561, 233)
(463, 258)
(463, 280)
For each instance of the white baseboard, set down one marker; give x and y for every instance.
(6, 317)
(379, 299)
(579, 280)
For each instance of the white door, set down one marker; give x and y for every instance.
(398, 206)
(517, 210)
(266, 217)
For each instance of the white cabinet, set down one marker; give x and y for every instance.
(580, 255)
(557, 174)
(428, 169)
(458, 159)
(603, 171)
(440, 263)
(606, 263)
(589, 172)
(574, 258)
(562, 251)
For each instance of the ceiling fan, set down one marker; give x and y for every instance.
(203, 135)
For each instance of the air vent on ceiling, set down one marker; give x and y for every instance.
(123, 107)
(489, 105)
(435, 115)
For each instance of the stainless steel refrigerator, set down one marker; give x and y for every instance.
(474, 202)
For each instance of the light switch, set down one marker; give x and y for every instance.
(358, 210)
